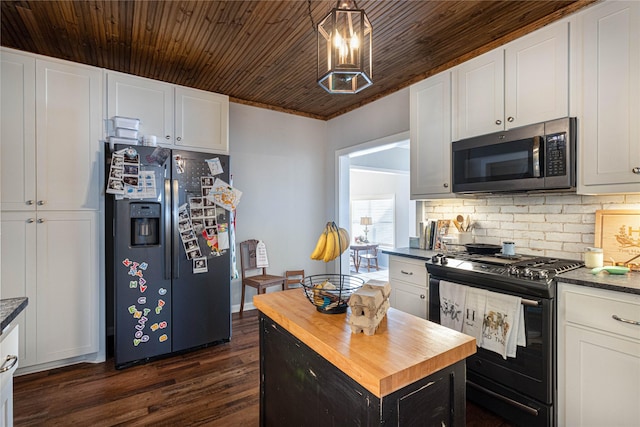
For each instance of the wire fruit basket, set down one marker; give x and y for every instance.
(330, 293)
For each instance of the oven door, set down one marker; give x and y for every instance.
(531, 373)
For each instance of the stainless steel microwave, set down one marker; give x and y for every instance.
(529, 158)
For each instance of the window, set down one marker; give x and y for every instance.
(382, 213)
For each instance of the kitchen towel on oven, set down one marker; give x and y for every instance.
(473, 315)
(501, 323)
(452, 301)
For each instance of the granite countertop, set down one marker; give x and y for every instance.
(629, 283)
(403, 350)
(9, 310)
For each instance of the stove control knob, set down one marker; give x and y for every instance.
(444, 260)
(527, 272)
(436, 259)
(514, 271)
(543, 274)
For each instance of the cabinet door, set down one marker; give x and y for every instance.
(610, 137)
(8, 349)
(603, 378)
(537, 77)
(69, 130)
(68, 281)
(201, 120)
(148, 100)
(411, 299)
(480, 95)
(18, 131)
(430, 141)
(18, 275)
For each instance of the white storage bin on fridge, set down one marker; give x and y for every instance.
(126, 133)
(126, 122)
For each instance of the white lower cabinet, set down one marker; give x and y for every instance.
(8, 361)
(51, 258)
(598, 357)
(409, 285)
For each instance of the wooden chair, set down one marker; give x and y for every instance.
(370, 255)
(258, 281)
(293, 277)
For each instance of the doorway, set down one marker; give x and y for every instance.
(373, 182)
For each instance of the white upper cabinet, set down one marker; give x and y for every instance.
(150, 101)
(51, 131)
(18, 131)
(523, 82)
(202, 120)
(479, 103)
(179, 117)
(607, 58)
(430, 137)
(69, 131)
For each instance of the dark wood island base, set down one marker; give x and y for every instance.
(315, 372)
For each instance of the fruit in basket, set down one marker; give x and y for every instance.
(333, 241)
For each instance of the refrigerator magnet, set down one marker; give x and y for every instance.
(215, 167)
(200, 265)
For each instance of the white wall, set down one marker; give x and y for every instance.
(278, 162)
(375, 121)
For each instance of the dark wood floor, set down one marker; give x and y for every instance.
(216, 386)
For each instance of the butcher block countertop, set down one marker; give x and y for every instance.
(404, 349)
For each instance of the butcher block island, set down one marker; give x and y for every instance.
(316, 372)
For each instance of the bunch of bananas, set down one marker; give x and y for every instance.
(331, 244)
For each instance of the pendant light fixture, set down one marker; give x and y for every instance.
(344, 49)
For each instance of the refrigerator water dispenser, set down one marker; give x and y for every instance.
(145, 224)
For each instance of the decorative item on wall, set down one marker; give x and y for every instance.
(618, 234)
(366, 221)
(344, 49)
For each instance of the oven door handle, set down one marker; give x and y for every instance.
(530, 302)
(521, 406)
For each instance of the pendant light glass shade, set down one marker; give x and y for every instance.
(344, 49)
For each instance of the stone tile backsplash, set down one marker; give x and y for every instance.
(554, 225)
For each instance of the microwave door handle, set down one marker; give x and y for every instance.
(536, 156)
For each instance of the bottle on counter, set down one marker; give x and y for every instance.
(593, 258)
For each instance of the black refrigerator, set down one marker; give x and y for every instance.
(167, 252)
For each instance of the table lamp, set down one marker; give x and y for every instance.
(365, 220)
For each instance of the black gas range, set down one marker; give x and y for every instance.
(523, 389)
(526, 274)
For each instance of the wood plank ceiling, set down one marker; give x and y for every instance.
(263, 53)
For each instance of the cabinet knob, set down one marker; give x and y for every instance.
(498, 122)
(40, 221)
(636, 170)
(167, 137)
(510, 119)
(29, 202)
(179, 138)
(422, 296)
(445, 185)
(30, 221)
(41, 202)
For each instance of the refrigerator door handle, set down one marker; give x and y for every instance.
(167, 229)
(176, 238)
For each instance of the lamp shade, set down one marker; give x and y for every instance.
(365, 220)
(344, 49)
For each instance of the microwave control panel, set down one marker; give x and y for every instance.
(556, 155)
